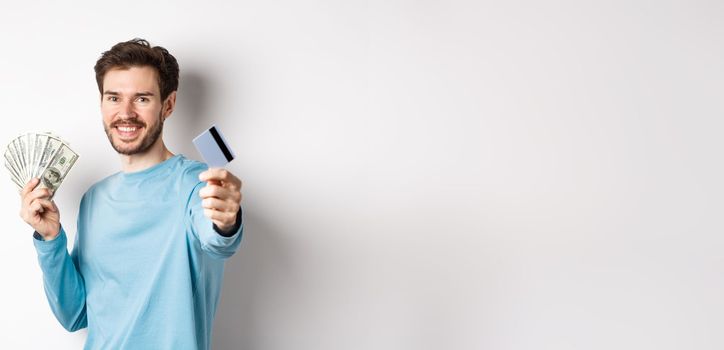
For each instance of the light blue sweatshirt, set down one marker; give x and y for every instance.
(147, 265)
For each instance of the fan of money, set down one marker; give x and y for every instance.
(39, 155)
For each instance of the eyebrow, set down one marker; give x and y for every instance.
(138, 94)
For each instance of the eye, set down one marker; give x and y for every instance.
(142, 99)
(112, 98)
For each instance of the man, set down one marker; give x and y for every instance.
(147, 264)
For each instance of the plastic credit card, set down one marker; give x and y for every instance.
(213, 147)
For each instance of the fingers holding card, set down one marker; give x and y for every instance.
(222, 194)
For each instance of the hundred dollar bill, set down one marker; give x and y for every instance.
(51, 148)
(30, 146)
(11, 164)
(26, 144)
(14, 152)
(18, 150)
(30, 150)
(58, 167)
(38, 145)
(11, 147)
(20, 153)
(13, 176)
(11, 169)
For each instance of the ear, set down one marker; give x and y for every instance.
(169, 105)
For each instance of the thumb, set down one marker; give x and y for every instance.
(29, 186)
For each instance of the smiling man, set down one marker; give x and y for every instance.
(146, 268)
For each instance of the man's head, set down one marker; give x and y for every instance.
(138, 86)
(51, 178)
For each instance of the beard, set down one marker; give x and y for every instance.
(150, 137)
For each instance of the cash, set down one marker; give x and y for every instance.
(39, 155)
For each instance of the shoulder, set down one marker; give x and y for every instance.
(188, 171)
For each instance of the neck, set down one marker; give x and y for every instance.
(141, 161)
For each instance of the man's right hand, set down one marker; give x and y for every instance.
(39, 211)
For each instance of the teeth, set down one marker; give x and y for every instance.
(126, 129)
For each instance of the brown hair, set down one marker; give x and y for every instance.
(138, 53)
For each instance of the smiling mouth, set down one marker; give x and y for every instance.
(128, 132)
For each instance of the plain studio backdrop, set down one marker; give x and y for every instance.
(418, 174)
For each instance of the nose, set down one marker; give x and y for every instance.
(125, 111)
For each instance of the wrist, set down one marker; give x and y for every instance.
(49, 235)
(230, 230)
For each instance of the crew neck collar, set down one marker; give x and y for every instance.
(150, 170)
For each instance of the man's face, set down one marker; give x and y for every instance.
(52, 176)
(133, 112)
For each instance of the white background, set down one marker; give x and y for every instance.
(418, 174)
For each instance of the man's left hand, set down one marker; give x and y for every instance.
(221, 197)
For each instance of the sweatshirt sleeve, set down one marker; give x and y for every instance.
(212, 242)
(63, 283)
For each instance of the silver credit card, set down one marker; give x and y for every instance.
(213, 147)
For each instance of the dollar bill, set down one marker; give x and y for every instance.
(51, 148)
(11, 164)
(25, 145)
(58, 167)
(37, 150)
(29, 153)
(19, 154)
(13, 175)
(11, 168)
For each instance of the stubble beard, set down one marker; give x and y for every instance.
(149, 139)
